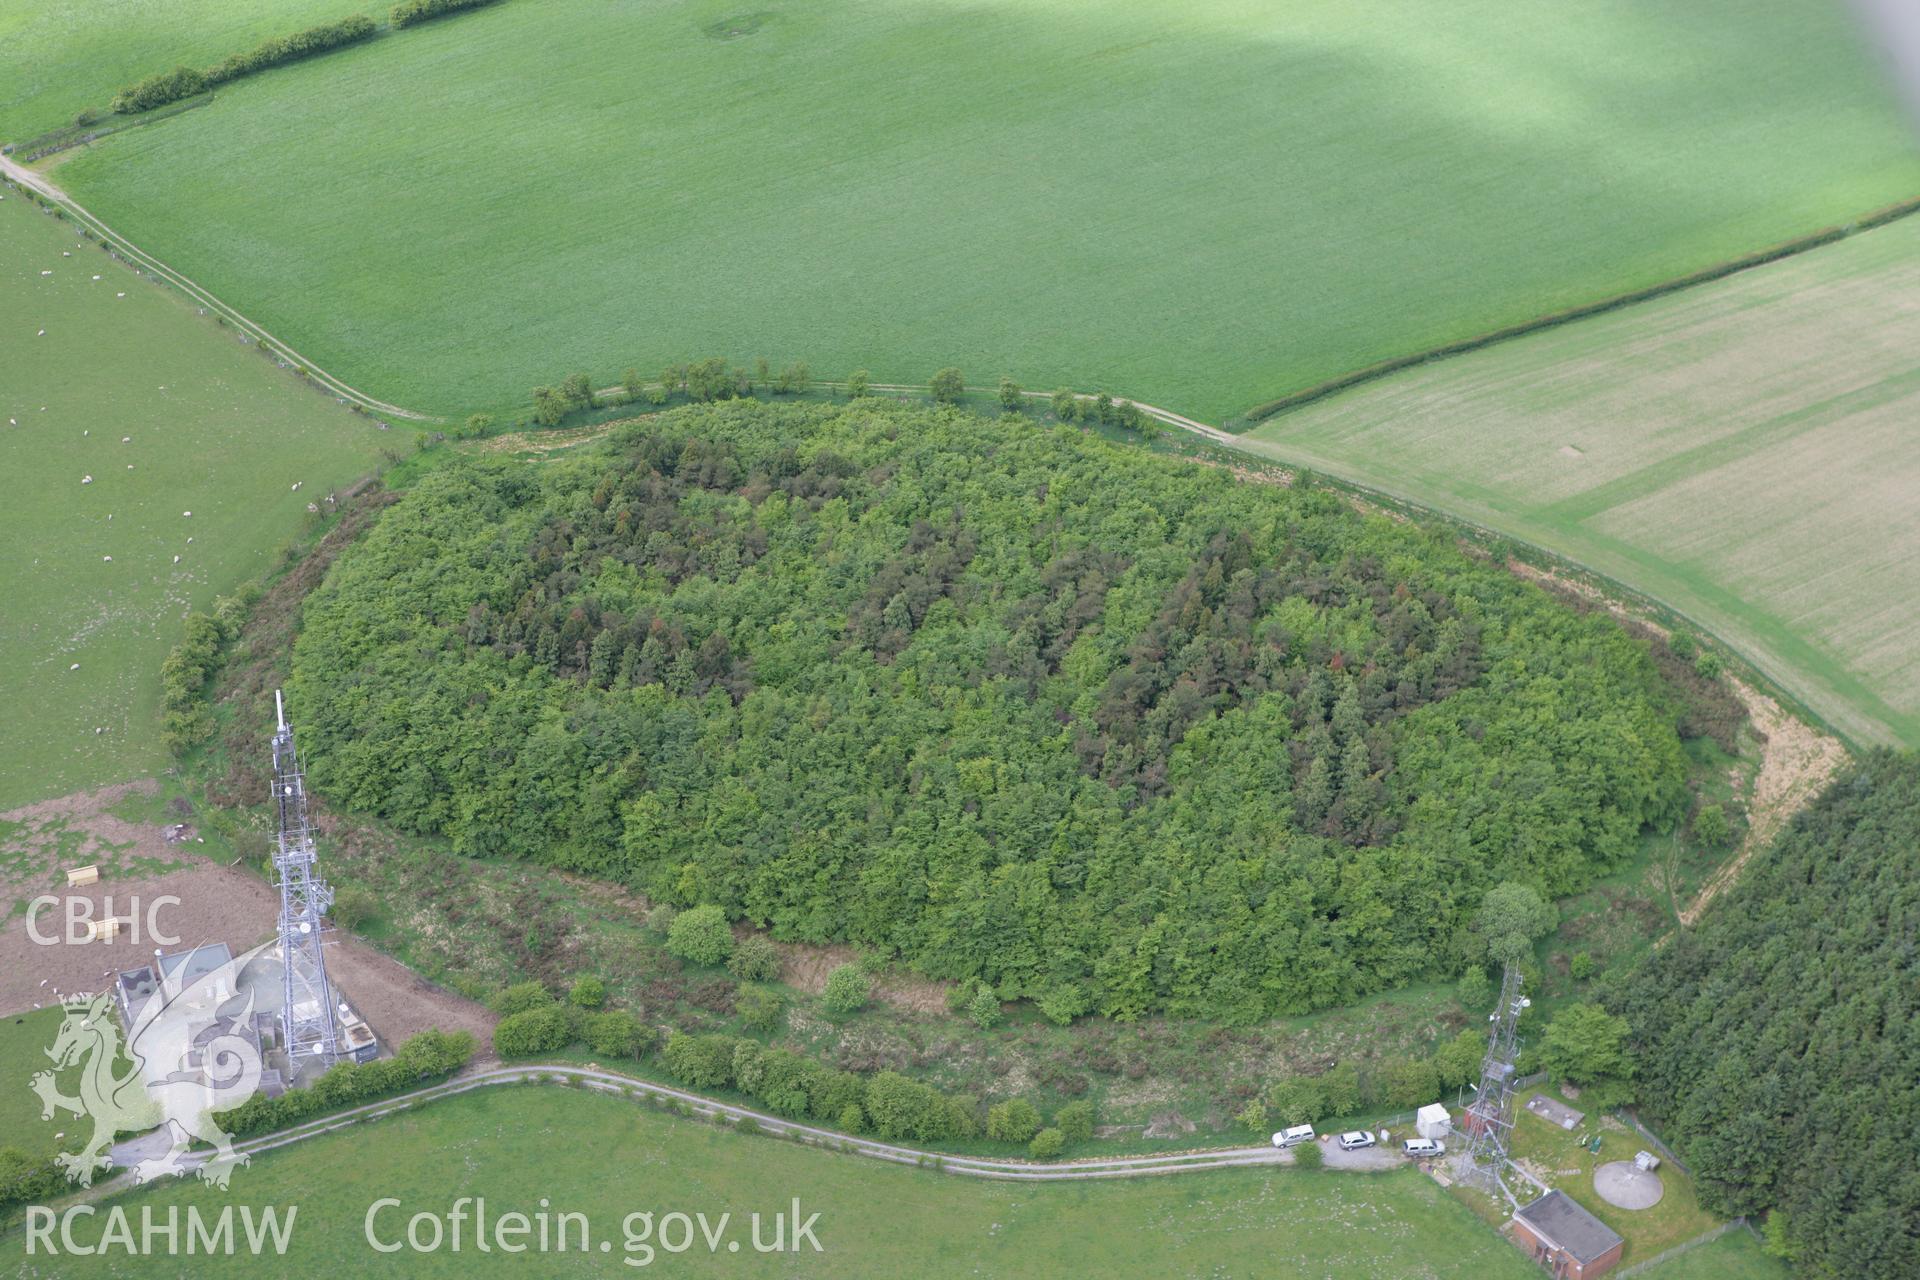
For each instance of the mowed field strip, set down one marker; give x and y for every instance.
(108, 376)
(1743, 451)
(608, 1157)
(1201, 203)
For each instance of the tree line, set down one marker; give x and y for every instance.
(715, 378)
(1020, 707)
(183, 82)
(1777, 1043)
(428, 1056)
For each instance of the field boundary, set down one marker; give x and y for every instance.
(46, 193)
(599, 1080)
(1610, 590)
(1552, 320)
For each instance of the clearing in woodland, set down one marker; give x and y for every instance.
(1740, 451)
(1202, 203)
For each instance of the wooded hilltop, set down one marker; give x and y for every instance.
(1106, 730)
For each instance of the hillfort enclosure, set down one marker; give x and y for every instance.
(1009, 639)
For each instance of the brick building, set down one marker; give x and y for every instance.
(1568, 1241)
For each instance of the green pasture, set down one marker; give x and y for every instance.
(1741, 451)
(1202, 203)
(168, 414)
(610, 1157)
(61, 57)
(24, 1038)
(1734, 1256)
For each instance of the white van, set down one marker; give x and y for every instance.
(1293, 1137)
(1419, 1148)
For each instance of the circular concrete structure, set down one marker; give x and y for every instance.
(1620, 1184)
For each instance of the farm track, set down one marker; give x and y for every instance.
(22, 176)
(570, 1075)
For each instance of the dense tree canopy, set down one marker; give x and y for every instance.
(1779, 1042)
(1106, 730)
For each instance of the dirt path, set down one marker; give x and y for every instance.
(144, 261)
(489, 1074)
(1796, 763)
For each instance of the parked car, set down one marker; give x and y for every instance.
(1354, 1141)
(1420, 1148)
(1293, 1137)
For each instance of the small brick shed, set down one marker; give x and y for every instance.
(1567, 1240)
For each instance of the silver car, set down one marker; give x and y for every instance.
(1354, 1141)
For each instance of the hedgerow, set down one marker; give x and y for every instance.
(183, 82)
(428, 1056)
(302, 44)
(415, 11)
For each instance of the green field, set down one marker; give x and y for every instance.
(1742, 451)
(608, 1157)
(169, 414)
(61, 57)
(24, 1038)
(1203, 203)
(1734, 1256)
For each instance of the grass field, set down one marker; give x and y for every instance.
(168, 414)
(1203, 203)
(24, 1038)
(607, 1157)
(1734, 1256)
(1742, 451)
(60, 57)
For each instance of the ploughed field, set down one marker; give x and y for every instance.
(1200, 203)
(1742, 450)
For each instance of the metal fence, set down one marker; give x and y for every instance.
(1688, 1247)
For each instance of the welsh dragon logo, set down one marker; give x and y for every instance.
(190, 1058)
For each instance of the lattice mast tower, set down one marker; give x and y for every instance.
(1489, 1118)
(307, 1014)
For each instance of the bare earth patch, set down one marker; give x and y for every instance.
(1796, 763)
(216, 903)
(40, 842)
(805, 966)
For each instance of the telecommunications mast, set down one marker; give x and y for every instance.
(307, 1014)
(1489, 1118)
